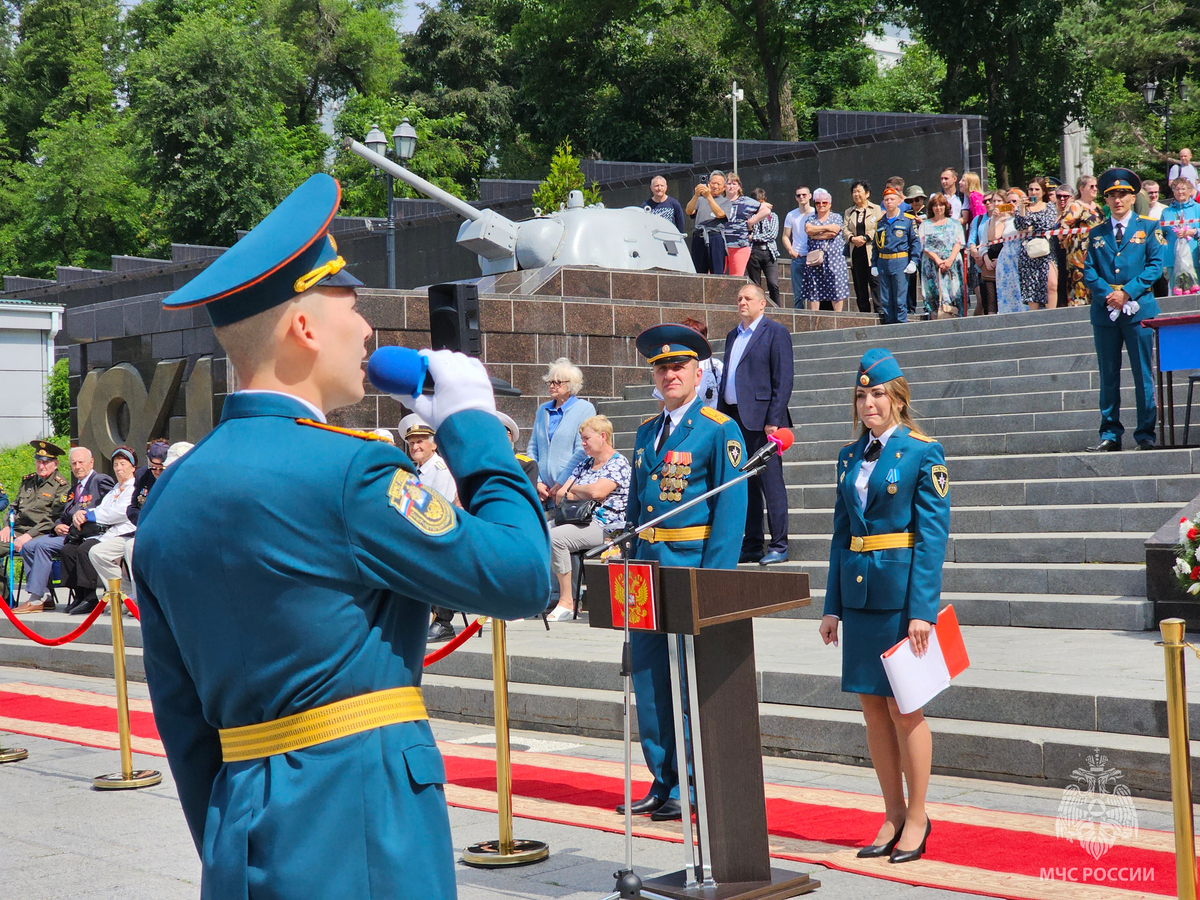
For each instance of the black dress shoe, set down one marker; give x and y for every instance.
(903, 856)
(1145, 445)
(775, 556)
(439, 632)
(643, 807)
(749, 556)
(668, 811)
(1105, 446)
(875, 850)
(83, 607)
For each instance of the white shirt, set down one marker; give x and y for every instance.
(955, 205)
(735, 357)
(435, 475)
(865, 470)
(676, 416)
(1124, 223)
(317, 414)
(1156, 210)
(113, 510)
(1188, 172)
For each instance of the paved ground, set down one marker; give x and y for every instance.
(61, 839)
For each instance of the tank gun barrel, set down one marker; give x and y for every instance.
(432, 191)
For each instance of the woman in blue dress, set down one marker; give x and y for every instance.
(891, 521)
(1008, 276)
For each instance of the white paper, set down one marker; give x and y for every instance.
(916, 680)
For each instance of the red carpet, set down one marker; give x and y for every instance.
(972, 850)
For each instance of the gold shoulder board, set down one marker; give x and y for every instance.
(350, 432)
(523, 458)
(718, 417)
(648, 419)
(921, 437)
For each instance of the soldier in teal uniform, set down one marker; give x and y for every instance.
(891, 521)
(681, 453)
(1125, 255)
(897, 249)
(285, 568)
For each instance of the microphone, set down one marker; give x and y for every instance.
(777, 443)
(400, 372)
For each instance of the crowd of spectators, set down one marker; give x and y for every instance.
(979, 253)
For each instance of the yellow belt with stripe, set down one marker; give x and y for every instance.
(325, 723)
(892, 255)
(882, 542)
(696, 533)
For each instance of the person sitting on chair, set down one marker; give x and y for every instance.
(40, 501)
(111, 515)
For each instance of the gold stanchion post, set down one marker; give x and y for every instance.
(1181, 762)
(506, 851)
(13, 754)
(127, 778)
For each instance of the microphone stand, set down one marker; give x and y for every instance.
(629, 884)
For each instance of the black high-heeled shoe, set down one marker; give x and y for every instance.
(876, 850)
(903, 856)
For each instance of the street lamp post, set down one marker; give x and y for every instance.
(735, 95)
(404, 141)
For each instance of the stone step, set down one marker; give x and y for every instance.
(1124, 579)
(1020, 348)
(77, 658)
(1140, 520)
(1087, 547)
(56, 624)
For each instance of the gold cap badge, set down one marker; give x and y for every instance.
(864, 380)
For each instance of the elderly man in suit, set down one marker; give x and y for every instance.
(756, 387)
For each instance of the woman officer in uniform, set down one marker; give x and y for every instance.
(891, 520)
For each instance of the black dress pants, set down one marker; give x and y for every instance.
(762, 263)
(77, 571)
(866, 285)
(768, 485)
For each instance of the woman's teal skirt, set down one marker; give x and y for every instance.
(866, 635)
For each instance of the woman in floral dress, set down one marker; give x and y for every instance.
(1083, 212)
(1039, 277)
(941, 260)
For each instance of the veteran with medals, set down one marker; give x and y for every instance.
(683, 452)
(891, 522)
(1124, 256)
(285, 569)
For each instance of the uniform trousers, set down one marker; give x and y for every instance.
(763, 263)
(1139, 344)
(38, 556)
(766, 485)
(893, 290)
(77, 570)
(105, 557)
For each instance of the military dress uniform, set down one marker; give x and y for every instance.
(885, 559)
(285, 607)
(701, 452)
(40, 501)
(1132, 264)
(896, 245)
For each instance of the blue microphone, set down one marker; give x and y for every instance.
(399, 371)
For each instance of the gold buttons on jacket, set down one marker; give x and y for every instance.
(859, 579)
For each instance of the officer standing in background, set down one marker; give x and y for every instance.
(897, 248)
(1125, 256)
(683, 452)
(41, 498)
(285, 604)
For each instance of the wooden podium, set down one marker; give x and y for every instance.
(716, 689)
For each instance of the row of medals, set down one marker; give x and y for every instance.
(674, 475)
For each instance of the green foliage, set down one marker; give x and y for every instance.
(17, 462)
(565, 176)
(442, 156)
(58, 398)
(913, 85)
(208, 105)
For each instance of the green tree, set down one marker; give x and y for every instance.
(914, 85)
(208, 103)
(58, 399)
(565, 176)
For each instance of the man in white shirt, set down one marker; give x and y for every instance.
(1184, 169)
(434, 474)
(950, 191)
(1157, 208)
(795, 242)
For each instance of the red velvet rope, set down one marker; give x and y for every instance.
(443, 652)
(58, 641)
(133, 608)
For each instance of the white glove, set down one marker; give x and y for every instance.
(874, 272)
(459, 382)
(1130, 309)
(911, 268)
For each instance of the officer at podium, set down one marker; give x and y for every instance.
(685, 451)
(285, 602)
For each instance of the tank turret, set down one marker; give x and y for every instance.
(627, 238)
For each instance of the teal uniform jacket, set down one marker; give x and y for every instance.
(715, 444)
(1134, 266)
(281, 567)
(898, 235)
(903, 578)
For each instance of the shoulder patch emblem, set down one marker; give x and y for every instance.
(941, 480)
(718, 417)
(350, 432)
(734, 450)
(921, 437)
(427, 510)
(1162, 238)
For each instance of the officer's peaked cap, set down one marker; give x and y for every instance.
(672, 343)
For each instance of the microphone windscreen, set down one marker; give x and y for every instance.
(397, 370)
(783, 437)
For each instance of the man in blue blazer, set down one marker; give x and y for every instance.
(285, 569)
(1124, 257)
(756, 388)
